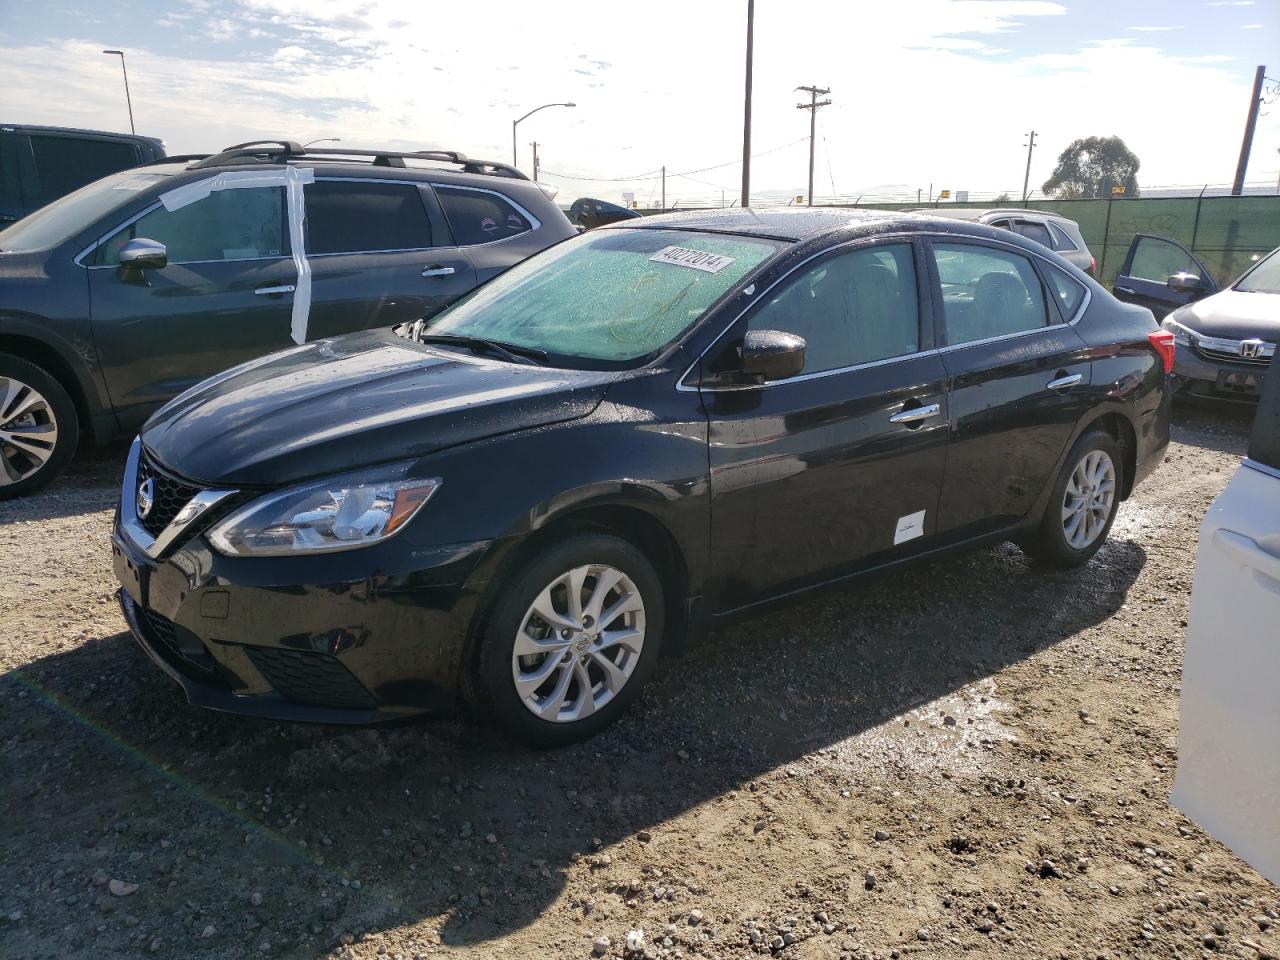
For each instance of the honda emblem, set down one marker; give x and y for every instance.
(1251, 349)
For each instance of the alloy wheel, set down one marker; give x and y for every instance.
(578, 643)
(1088, 499)
(28, 431)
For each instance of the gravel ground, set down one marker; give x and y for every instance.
(966, 759)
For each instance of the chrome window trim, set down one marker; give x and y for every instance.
(130, 525)
(534, 223)
(887, 238)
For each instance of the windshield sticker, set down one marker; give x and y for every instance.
(697, 259)
(134, 184)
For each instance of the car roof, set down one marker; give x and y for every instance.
(79, 131)
(782, 223)
(977, 213)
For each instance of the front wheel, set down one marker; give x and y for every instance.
(572, 638)
(1082, 505)
(38, 427)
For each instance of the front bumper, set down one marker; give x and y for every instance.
(356, 637)
(1196, 375)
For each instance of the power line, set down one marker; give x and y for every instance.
(671, 173)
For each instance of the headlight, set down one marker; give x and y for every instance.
(1184, 336)
(353, 510)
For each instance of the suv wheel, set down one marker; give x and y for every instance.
(39, 428)
(572, 639)
(1082, 505)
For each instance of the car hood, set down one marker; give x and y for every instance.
(336, 405)
(1234, 315)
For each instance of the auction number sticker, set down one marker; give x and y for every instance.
(697, 259)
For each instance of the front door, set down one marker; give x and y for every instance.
(838, 468)
(1144, 278)
(1018, 381)
(225, 296)
(376, 258)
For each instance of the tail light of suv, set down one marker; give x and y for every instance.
(1165, 345)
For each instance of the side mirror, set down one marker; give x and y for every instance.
(142, 252)
(771, 355)
(1186, 283)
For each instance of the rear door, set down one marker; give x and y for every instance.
(838, 468)
(225, 296)
(1018, 380)
(376, 256)
(1228, 766)
(1144, 278)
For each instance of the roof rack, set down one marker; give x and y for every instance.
(176, 158)
(282, 151)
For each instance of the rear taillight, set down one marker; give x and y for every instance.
(1164, 343)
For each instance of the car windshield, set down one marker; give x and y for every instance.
(1264, 277)
(70, 215)
(611, 297)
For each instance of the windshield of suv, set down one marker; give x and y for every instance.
(1264, 277)
(611, 296)
(76, 212)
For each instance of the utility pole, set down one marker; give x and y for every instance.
(917, 196)
(1026, 177)
(812, 106)
(1252, 121)
(664, 187)
(746, 112)
(535, 160)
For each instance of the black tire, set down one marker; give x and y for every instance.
(494, 683)
(1049, 544)
(59, 410)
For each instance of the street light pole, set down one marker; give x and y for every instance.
(1026, 178)
(812, 106)
(127, 98)
(746, 112)
(515, 123)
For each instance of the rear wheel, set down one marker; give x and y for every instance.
(39, 428)
(572, 639)
(1082, 505)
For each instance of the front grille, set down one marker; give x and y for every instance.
(312, 678)
(1230, 356)
(169, 495)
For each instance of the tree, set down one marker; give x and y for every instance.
(1090, 167)
(1003, 198)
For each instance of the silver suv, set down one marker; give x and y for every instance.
(1053, 231)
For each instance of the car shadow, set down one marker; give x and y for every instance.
(372, 829)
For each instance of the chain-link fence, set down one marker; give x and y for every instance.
(1226, 233)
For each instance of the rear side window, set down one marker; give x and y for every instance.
(1068, 291)
(348, 217)
(1061, 239)
(1158, 260)
(242, 224)
(853, 308)
(64, 164)
(987, 292)
(481, 217)
(1033, 231)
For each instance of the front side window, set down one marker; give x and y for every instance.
(853, 308)
(611, 296)
(237, 224)
(987, 292)
(345, 216)
(480, 217)
(1158, 260)
(1264, 277)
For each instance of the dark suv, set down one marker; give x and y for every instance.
(125, 293)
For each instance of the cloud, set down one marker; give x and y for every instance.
(1160, 29)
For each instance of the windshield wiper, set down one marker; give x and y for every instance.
(506, 351)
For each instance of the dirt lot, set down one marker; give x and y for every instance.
(969, 759)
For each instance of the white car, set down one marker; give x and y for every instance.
(1229, 734)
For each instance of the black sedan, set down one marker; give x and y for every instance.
(632, 436)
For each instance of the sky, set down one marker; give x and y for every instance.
(926, 93)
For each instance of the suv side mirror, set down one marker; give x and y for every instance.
(142, 252)
(1186, 283)
(771, 355)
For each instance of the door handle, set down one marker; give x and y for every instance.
(916, 414)
(1246, 550)
(1064, 383)
(1128, 290)
(435, 270)
(278, 289)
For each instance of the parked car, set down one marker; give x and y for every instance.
(1228, 337)
(1229, 718)
(649, 428)
(1058, 233)
(589, 213)
(134, 288)
(40, 164)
